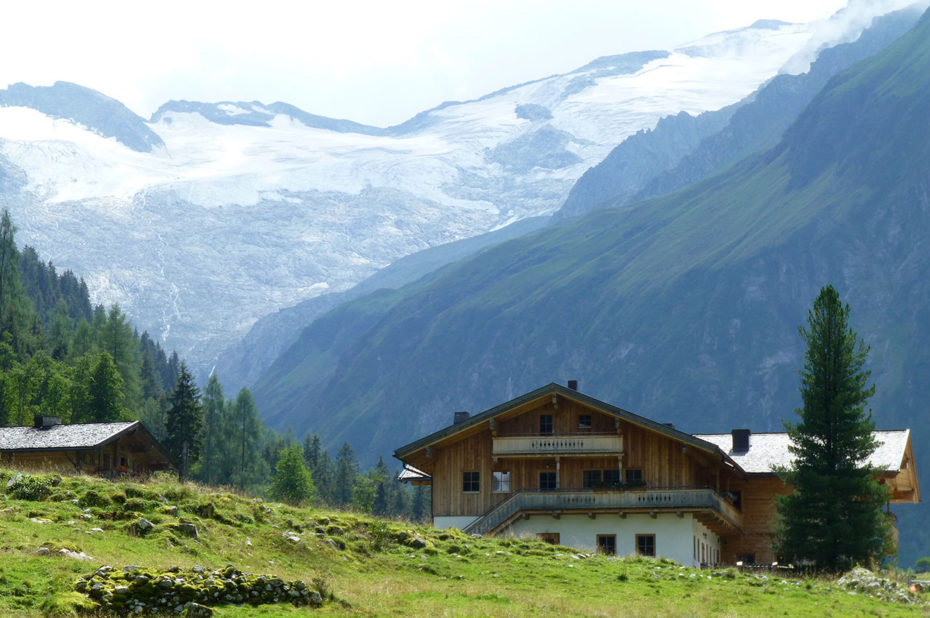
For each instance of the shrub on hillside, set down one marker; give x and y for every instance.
(26, 487)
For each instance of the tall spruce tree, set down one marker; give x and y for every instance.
(215, 432)
(184, 423)
(345, 475)
(834, 518)
(249, 469)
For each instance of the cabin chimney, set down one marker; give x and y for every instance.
(671, 425)
(459, 417)
(573, 384)
(740, 440)
(43, 421)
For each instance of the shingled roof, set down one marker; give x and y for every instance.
(770, 450)
(67, 437)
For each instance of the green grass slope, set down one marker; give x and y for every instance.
(684, 309)
(359, 565)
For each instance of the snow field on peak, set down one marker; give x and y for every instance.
(230, 222)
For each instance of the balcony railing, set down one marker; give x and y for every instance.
(585, 501)
(557, 445)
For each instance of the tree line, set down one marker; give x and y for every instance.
(62, 356)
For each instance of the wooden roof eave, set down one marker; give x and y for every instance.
(531, 399)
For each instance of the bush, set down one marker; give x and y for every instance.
(292, 482)
(92, 498)
(26, 487)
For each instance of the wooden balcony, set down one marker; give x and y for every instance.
(706, 505)
(581, 444)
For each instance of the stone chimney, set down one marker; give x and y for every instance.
(43, 421)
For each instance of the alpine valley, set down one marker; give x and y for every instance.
(683, 308)
(654, 224)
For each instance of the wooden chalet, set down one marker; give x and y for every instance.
(92, 448)
(564, 467)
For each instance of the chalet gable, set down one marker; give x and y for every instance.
(527, 416)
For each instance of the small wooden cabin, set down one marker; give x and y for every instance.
(91, 448)
(569, 469)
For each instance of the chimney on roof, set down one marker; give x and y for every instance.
(672, 425)
(573, 384)
(43, 421)
(740, 440)
(459, 417)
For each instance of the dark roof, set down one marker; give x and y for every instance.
(570, 394)
(64, 437)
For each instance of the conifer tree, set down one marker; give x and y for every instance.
(345, 475)
(105, 391)
(421, 503)
(184, 423)
(384, 488)
(247, 433)
(214, 433)
(834, 518)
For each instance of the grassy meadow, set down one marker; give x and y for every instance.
(363, 565)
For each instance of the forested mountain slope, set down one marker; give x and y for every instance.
(684, 309)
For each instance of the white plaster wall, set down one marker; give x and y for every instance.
(710, 540)
(674, 535)
(453, 522)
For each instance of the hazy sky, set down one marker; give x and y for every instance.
(367, 60)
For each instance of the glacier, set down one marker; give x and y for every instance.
(243, 208)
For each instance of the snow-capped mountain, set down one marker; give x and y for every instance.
(208, 216)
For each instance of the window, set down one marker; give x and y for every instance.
(501, 483)
(470, 482)
(546, 481)
(612, 478)
(607, 544)
(584, 421)
(590, 479)
(545, 424)
(645, 545)
(548, 537)
(634, 477)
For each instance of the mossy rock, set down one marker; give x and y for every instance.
(137, 504)
(93, 499)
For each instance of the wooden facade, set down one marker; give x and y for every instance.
(97, 448)
(541, 456)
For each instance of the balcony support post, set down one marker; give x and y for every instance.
(558, 472)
